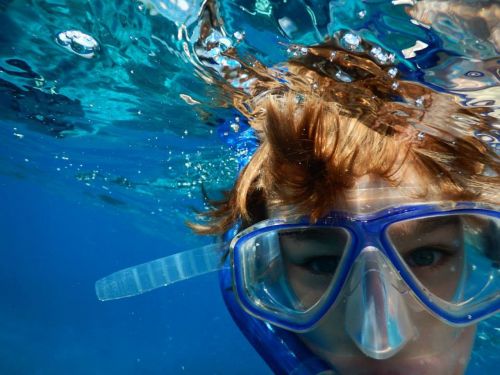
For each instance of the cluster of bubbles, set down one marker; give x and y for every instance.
(353, 43)
(79, 43)
(211, 49)
(182, 12)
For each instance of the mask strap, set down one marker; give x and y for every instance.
(145, 277)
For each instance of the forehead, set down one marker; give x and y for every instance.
(365, 201)
(426, 225)
(371, 193)
(375, 199)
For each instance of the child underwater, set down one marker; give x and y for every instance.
(362, 235)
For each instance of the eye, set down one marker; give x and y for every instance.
(323, 265)
(425, 257)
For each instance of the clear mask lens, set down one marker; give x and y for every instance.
(455, 258)
(289, 271)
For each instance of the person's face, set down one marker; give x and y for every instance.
(433, 347)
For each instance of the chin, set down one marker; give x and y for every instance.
(428, 365)
(451, 360)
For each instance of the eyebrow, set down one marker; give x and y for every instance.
(317, 236)
(431, 223)
(428, 224)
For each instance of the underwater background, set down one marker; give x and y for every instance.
(113, 117)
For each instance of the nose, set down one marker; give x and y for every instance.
(376, 313)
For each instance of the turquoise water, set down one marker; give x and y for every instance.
(109, 122)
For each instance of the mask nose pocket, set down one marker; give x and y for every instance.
(377, 318)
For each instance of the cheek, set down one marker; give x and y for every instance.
(330, 335)
(445, 281)
(308, 289)
(464, 348)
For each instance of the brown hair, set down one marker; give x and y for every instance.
(319, 134)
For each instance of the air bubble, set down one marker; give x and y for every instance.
(395, 85)
(419, 102)
(362, 14)
(486, 138)
(474, 74)
(263, 7)
(392, 72)
(239, 36)
(288, 26)
(296, 50)
(421, 136)
(351, 42)
(382, 56)
(78, 43)
(343, 77)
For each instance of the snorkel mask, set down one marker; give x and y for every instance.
(380, 273)
(383, 274)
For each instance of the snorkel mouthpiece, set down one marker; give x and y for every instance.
(376, 313)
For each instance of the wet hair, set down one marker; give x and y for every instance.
(319, 133)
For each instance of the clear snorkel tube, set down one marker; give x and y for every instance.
(161, 272)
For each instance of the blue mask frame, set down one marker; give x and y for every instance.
(366, 230)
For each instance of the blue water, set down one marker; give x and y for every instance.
(103, 151)
(53, 250)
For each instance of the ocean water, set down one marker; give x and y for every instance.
(110, 124)
(54, 249)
